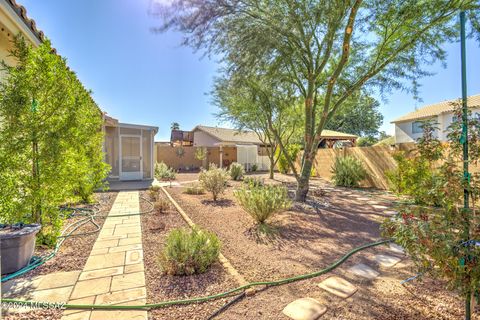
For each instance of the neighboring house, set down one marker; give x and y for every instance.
(224, 146)
(408, 127)
(129, 149)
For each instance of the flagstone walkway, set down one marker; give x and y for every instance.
(114, 272)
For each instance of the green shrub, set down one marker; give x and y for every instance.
(254, 182)
(194, 189)
(153, 192)
(161, 205)
(214, 180)
(254, 167)
(263, 201)
(282, 164)
(163, 172)
(348, 171)
(189, 251)
(236, 171)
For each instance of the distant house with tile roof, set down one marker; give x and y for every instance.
(408, 127)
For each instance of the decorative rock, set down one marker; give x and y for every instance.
(386, 261)
(364, 271)
(377, 206)
(304, 309)
(338, 286)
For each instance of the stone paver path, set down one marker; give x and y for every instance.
(364, 271)
(304, 309)
(386, 261)
(338, 286)
(114, 272)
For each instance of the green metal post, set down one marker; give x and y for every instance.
(465, 148)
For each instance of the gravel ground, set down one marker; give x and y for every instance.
(155, 228)
(72, 255)
(310, 237)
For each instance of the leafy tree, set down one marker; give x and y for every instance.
(50, 139)
(441, 237)
(175, 126)
(251, 103)
(359, 115)
(327, 49)
(366, 141)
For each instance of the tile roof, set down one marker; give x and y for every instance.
(437, 109)
(30, 23)
(245, 136)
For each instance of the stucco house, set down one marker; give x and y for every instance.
(13, 21)
(408, 127)
(224, 146)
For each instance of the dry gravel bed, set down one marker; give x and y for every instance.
(310, 237)
(155, 228)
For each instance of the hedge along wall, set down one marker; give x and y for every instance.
(376, 159)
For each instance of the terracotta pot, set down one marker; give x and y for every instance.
(17, 246)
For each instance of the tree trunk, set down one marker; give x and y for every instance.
(304, 179)
(272, 166)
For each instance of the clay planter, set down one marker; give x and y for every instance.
(17, 246)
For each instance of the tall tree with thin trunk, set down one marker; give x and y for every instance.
(327, 49)
(252, 103)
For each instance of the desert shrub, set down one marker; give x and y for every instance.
(282, 164)
(236, 171)
(313, 172)
(348, 171)
(263, 201)
(254, 167)
(153, 192)
(163, 172)
(253, 181)
(194, 189)
(189, 251)
(214, 180)
(161, 205)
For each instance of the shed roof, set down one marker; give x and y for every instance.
(437, 109)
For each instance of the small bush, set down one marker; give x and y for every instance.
(195, 189)
(153, 192)
(214, 180)
(348, 171)
(254, 167)
(254, 182)
(236, 171)
(162, 205)
(292, 150)
(189, 251)
(163, 172)
(263, 201)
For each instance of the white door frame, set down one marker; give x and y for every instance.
(131, 175)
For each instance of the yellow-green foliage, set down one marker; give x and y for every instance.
(263, 201)
(348, 171)
(163, 172)
(195, 189)
(282, 164)
(189, 251)
(214, 180)
(162, 205)
(50, 139)
(236, 171)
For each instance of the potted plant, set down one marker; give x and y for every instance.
(17, 243)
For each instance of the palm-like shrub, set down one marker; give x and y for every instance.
(263, 201)
(189, 251)
(163, 172)
(348, 171)
(254, 182)
(214, 180)
(236, 171)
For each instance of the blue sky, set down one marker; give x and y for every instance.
(141, 77)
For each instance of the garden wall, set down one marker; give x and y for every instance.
(376, 159)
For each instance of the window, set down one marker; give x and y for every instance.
(417, 127)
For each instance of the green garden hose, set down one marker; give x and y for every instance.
(215, 296)
(68, 232)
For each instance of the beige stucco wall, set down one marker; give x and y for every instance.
(11, 25)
